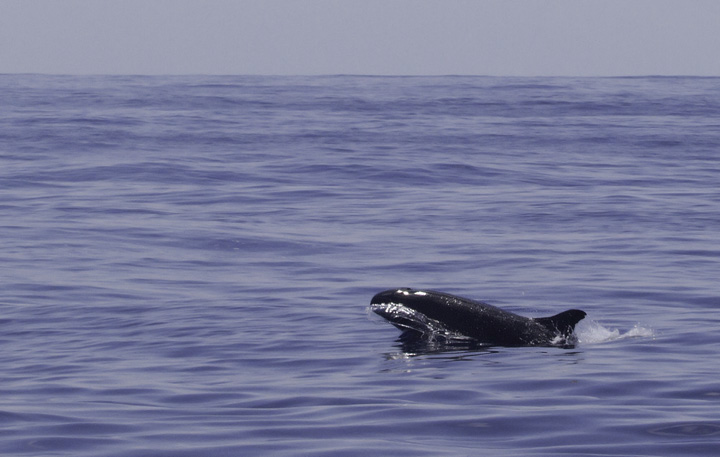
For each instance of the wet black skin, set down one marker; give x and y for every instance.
(486, 323)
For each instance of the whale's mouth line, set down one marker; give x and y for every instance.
(410, 320)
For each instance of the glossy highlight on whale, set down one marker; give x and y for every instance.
(424, 313)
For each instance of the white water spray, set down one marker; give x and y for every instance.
(592, 332)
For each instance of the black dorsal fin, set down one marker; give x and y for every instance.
(563, 323)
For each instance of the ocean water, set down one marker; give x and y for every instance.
(187, 264)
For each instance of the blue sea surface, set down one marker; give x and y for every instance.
(187, 264)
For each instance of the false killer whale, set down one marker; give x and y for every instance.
(424, 312)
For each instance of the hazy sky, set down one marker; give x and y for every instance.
(483, 37)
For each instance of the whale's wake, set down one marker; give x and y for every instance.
(592, 332)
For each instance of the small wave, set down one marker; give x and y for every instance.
(592, 332)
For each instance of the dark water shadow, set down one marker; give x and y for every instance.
(414, 344)
(687, 429)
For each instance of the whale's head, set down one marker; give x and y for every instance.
(400, 307)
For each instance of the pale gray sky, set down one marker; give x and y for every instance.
(404, 37)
